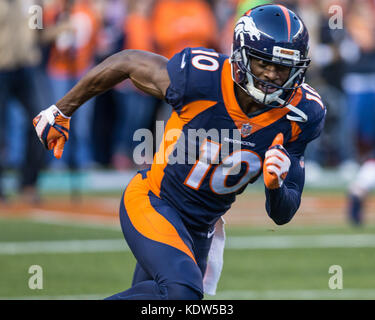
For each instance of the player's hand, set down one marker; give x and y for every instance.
(52, 128)
(276, 164)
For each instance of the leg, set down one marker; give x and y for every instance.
(82, 155)
(60, 86)
(202, 246)
(361, 186)
(355, 209)
(129, 120)
(140, 275)
(30, 94)
(162, 246)
(364, 182)
(5, 78)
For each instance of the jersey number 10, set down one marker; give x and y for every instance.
(230, 165)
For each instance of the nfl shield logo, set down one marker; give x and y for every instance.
(302, 162)
(246, 130)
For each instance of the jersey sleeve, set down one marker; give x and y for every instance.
(195, 74)
(308, 131)
(283, 203)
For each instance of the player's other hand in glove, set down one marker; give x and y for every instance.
(276, 164)
(52, 128)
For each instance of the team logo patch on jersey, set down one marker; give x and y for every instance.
(246, 130)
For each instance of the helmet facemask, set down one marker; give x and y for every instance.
(274, 34)
(245, 78)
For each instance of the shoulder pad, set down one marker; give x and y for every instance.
(311, 104)
(195, 74)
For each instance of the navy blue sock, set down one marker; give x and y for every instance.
(355, 209)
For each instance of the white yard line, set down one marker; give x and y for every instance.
(74, 220)
(296, 294)
(237, 295)
(61, 297)
(302, 241)
(66, 246)
(233, 243)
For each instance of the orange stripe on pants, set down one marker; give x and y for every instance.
(147, 221)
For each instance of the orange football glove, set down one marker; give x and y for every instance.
(276, 163)
(52, 128)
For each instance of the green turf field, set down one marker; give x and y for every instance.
(92, 261)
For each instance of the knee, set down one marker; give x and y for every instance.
(175, 291)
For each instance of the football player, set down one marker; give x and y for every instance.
(361, 186)
(168, 213)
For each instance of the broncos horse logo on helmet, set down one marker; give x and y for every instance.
(277, 35)
(246, 24)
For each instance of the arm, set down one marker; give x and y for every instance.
(284, 179)
(282, 203)
(148, 72)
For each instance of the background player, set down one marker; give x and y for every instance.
(168, 213)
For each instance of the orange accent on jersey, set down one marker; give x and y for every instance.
(287, 18)
(239, 117)
(296, 98)
(296, 130)
(175, 122)
(147, 221)
(191, 110)
(156, 174)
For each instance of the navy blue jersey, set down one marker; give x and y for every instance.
(200, 177)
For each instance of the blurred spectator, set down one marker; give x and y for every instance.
(84, 32)
(71, 55)
(177, 24)
(21, 79)
(110, 40)
(134, 109)
(325, 75)
(358, 51)
(228, 13)
(111, 34)
(245, 5)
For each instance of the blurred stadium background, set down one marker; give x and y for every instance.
(63, 215)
